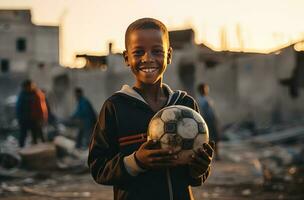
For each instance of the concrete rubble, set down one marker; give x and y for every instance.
(264, 165)
(277, 154)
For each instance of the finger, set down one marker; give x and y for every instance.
(212, 144)
(201, 153)
(199, 158)
(150, 144)
(200, 162)
(160, 152)
(208, 149)
(163, 159)
(199, 170)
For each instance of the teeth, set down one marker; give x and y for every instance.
(148, 70)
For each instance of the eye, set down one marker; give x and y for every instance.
(138, 52)
(158, 52)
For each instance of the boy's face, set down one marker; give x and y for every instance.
(30, 87)
(205, 90)
(148, 55)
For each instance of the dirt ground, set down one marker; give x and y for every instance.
(228, 181)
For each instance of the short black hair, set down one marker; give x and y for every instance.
(26, 83)
(201, 86)
(146, 23)
(78, 90)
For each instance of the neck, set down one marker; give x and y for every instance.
(151, 91)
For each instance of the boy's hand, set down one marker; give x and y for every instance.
(148, 157)
(201, 159)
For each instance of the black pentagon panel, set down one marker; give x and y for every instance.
(188, 144)
(171, 127)
(201, 128)
(187, 114)
(177, 115)
(178, 140)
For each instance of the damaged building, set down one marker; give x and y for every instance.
(262, 88)
(27, 50)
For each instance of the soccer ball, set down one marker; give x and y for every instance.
(179, 128)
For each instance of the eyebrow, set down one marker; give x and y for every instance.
(155, 46)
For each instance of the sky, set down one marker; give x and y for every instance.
(87, 26)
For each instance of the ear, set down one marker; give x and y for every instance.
(169, 56)
(125, 55)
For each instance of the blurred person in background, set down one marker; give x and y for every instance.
(85, 117)
(31, 111)
(206, 106)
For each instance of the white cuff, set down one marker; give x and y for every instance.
(131, 166)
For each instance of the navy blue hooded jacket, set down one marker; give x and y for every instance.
(119, 132)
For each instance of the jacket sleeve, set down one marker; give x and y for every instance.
(104, 160)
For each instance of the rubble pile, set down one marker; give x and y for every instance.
(276, 153)
(253, 165)
(32, 170)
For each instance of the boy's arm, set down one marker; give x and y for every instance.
(105, 162)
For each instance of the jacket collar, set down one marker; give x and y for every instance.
(127, 90)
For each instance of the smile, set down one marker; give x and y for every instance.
(148, 70)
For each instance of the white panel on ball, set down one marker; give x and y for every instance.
(156, 129)
(187, 128)
(170, 114)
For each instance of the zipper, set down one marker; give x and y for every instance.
(169, 184)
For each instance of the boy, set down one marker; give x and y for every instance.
(119, 154)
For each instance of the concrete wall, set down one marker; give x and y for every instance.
(288, 108)
(257, 88)
(261, 96)
(244, 87)
(223, 80)
(9, 33)
(42, 42)
(46, 44)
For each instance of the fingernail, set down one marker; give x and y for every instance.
(154, 141)
(192, 156)
(170, 152)
(175, 157)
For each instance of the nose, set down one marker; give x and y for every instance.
(147, 57)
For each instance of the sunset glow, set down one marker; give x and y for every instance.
(87, 26)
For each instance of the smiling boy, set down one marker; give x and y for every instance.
(119, 154)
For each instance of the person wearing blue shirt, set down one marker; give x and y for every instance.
(207, 111)
(86, 116)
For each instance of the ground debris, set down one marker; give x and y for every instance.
(39, 157)
(47, 193)
(10, 188)
(247, 169)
